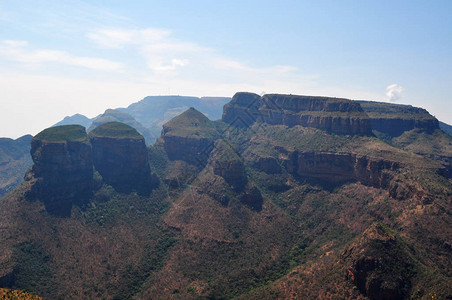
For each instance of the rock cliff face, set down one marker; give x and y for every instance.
(395, 119)
(189, 137)
(62, 169)
(341, 167)
(121, 157)
(335, 115)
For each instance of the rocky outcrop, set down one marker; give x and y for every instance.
(189, 137)
(227, 164)
(252, 197)
(335, 115)
(379, 264)
(395, 119)
(269, 165)
(121, 157)
(341, 167)
(63, 169)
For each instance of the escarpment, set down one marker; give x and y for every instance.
(335, 115)
(63, 168)
(121, 157)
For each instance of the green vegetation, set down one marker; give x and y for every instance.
(116, 130)
(63, 133)
(297, 138)
(32, 270)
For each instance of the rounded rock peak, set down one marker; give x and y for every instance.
(245, 98)
(115, 130)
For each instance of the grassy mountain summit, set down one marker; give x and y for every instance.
(253, 206)
(63, 133)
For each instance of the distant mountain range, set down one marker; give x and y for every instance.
(149, 114)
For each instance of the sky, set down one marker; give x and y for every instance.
(59, 58)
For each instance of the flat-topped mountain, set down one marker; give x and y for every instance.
(336, 115)
(291, 197)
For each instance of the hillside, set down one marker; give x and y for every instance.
(15, 160)
(412, 129)
(286, 197)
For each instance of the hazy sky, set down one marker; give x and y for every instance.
(58, 58)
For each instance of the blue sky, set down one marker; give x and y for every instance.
(59, 58)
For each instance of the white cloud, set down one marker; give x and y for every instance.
(118, 38)
(14, 43)
(16, 51)
(394, 92)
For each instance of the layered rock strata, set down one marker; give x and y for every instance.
(335, 115)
